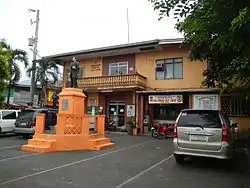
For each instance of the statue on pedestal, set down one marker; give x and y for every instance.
(74, 71)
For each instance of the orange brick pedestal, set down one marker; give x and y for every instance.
(72, 129)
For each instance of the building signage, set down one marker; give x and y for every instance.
(206, 102)
(92, 102)
(130, 110)
(95, 67)
(165, 99)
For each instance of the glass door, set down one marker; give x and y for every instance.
(116, 111)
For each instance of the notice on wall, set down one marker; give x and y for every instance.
(92, 102)
(206, 102)
(130, 110)
(165, 99)
(65, 104)
(95, 67)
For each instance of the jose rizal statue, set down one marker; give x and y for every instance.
(74, 71)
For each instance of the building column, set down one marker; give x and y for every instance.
(141, 114)
(86, 103)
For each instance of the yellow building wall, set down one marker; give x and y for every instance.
(92, 67)
(243, 122)
(192, 71)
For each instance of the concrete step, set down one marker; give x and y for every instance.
(34, 148)
(100, 141)
(41, 142)
(44, 136)
(104, 146)
(96, 136)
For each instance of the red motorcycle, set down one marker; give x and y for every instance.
(159, 130)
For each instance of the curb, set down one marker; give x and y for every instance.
(120, 133)
(125, 133)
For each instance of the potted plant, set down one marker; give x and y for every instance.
(131, 124)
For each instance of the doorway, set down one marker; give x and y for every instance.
(116, 111)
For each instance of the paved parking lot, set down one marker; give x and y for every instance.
(135, 162)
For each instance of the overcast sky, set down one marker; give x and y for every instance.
(69, 25)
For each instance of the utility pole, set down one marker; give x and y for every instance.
(33, 73)
(128, 26)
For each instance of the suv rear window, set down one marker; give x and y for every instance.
(26, 114)
(203, 118)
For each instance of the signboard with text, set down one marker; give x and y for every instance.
(165, 99)
(206, 102)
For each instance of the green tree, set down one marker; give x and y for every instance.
(4, 73)
(16, 56)
(218, 32)
(46, 69)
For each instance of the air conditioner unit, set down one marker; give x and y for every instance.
(159, 67)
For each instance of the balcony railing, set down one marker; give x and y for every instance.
(129, 81)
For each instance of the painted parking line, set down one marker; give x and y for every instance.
(20, 156)
(143, 172)
(73, 163)
(9, 147)
(33, 154)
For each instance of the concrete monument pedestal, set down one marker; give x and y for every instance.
(72, 129)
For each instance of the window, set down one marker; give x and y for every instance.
(165, 112)
(118, 68)
(235, 106)
(169, 69)
(8, 115)
(204, 118)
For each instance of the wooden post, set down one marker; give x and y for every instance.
(40, 123)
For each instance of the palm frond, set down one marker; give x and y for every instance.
(16, 73)
(21, 55)
(54, 75)
(29, 71)
(46, 70)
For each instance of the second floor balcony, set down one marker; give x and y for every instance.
(129, 81)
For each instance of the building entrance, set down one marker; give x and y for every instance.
(116, 111)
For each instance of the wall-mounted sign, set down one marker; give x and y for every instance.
(65, 104)
(92, 102)
(206, 102)
(95, 67)
(130, 110)
(165, 99)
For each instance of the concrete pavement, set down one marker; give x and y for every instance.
(135, 162)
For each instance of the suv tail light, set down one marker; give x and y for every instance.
(175, 130)
(225, 133)
(32, 123)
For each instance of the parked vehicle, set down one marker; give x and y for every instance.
(205, 133)
(7, 120)
(26, 121)
(159, 130)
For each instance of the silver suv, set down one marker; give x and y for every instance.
(205, 133)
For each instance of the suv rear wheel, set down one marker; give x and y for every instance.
(179, 159)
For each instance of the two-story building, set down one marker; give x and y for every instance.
(151, 77)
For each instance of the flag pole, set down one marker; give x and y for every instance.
(128, 26)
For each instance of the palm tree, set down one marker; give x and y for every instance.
(46, 69)
(17, 56)
(4, 71)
